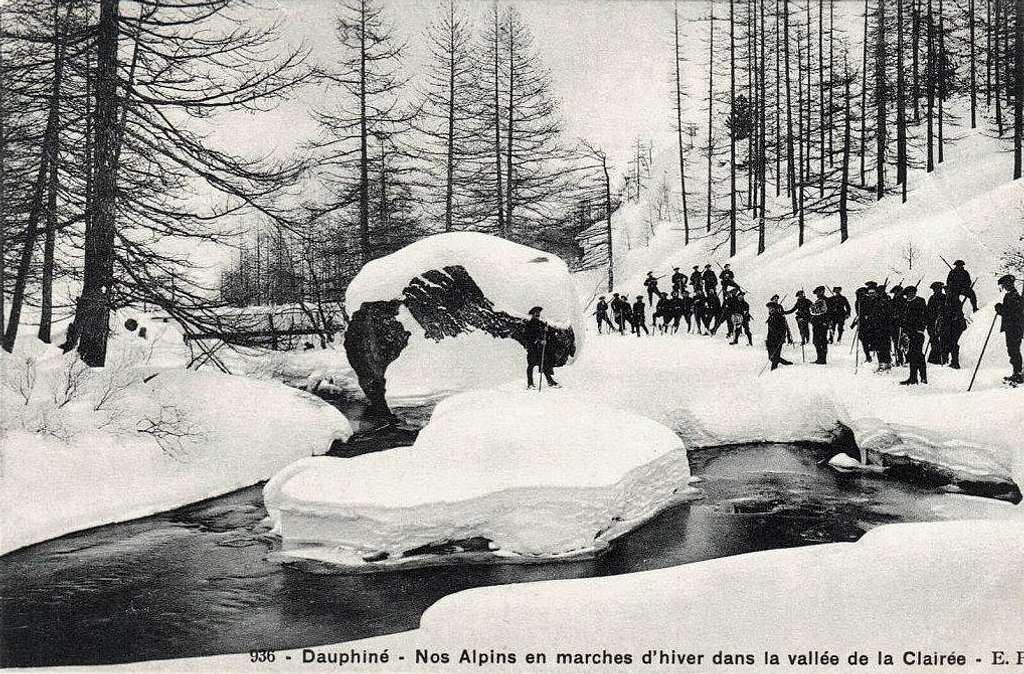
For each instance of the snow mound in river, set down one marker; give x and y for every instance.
(537, 475)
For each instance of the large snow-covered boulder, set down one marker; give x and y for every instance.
(511, 474)
(447, 313)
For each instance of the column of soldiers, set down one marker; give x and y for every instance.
(699, 305)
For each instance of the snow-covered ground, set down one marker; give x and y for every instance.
(84, 447)
(536, 475)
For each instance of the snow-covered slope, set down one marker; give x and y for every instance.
(91, 447)
(536, 475)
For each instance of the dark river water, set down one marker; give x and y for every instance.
(196, 581)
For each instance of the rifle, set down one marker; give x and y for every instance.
(947, 263)
(543, 350)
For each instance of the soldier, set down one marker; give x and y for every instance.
(955, 324)
(789, 335)
(819, 325)
(958, 284)
(651, 283)
(838, 312)
(536, 335)
(777, 329)
(862, 302)
(899, 310)
(710, 281)
(914, 323)
(684, 308)
(880, 327)
(663, 310)
(619, 306)
(727, 278)
(602, 314)
(700, 309)
(639, 319)
(802, 308)
(936, 313)
(728, 307)
(712, 312)
(741, 319)
(695, 280)
(678, 280)
(1012, 311)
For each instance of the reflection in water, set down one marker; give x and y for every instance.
(196, 581)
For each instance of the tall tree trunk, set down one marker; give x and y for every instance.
(988, 53)
(974, 66)
(510, 132)
(778, 107)
(791, 167)
(679, 126)
(831, 77)
(762, 163)
(1018, 99)
(901, 118)
(93, 315)
(711, 101)
(364, 158)
(47, 156)
(880, 96)
(997, 79)
(3, 202)
(844, 188)
(800, 143)
(864, 95)
(732, 132)
(930, 86)
(821, 100)
(915, 48)
(942, 79)
(608, 222)
(46, 289)
(449, 188)
(498, 194)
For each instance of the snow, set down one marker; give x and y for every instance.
(74, 464)
(544, 475)
(513, 277)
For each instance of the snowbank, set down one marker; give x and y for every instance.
(533, 474)
(131, 440)
(446, 314)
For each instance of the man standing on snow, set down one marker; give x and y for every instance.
(684, 308)
(777, 330)
(678, 280)
(536, 335)
(619, 306)
(838, 312)
(1012, 311)
(802, 308)
(651, 283)
(914, 323)
(602, 315)
(936, 308)
(700, 309)
(727, 278)
(639, 318)
(955, 324)
(712, 312)
(899, 313)
(695, 280)
(741, 319)
(819, 326)
(710, 281)
(958, 284)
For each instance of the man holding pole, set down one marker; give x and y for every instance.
(915, 320)
(1012, 311)
(536, 337)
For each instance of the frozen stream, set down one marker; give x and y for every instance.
(196, 581)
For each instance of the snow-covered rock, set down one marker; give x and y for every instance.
(531, 474)
(446, 314)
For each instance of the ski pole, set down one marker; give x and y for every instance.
(982, 354)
